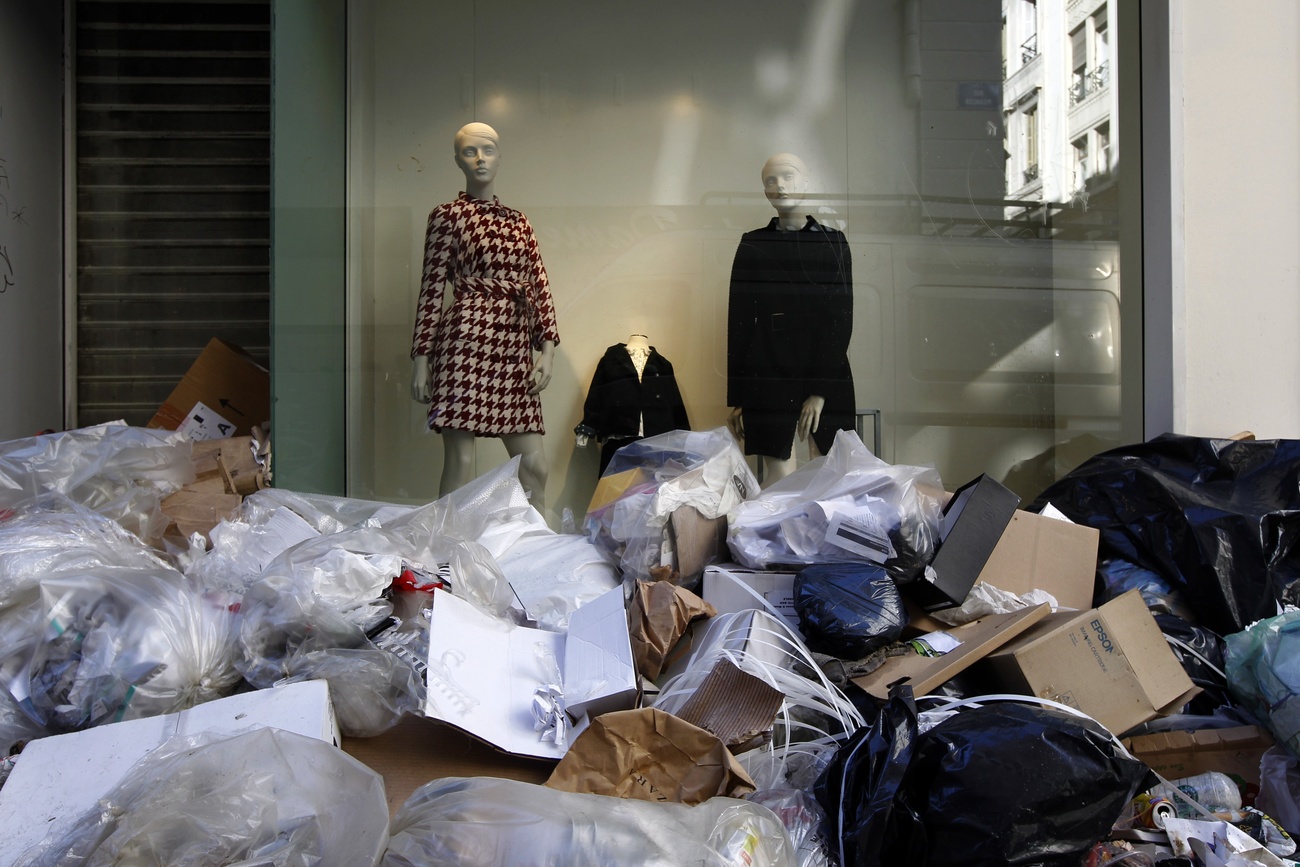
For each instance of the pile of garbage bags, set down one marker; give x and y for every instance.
(746, 742)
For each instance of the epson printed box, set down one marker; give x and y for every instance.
(1111, 662)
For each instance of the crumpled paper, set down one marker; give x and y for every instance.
(650, 755)
(658, 617)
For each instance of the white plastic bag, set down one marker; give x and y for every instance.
(846, 506)
(485, 821)
(554, 575)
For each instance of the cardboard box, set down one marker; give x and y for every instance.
(418, 750)
(484, 672)
(976, 640)
(973, 522)
(1111, 662)
(727, 587)
(225, 393)
(1233, 751)
(1036, 552)
(60, 777)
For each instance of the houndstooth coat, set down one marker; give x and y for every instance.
(501, 311)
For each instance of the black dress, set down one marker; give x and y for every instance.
(622, 408)
(789, 320)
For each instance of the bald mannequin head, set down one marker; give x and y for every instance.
(785, 180)
(477, 156)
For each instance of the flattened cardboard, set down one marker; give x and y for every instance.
(974, 520)
(1234, 751)
(725, 589)
(735, 705)
(483, 672)
(1111, 662)
(229, 390)
(418, 750)
(60, 777)
(978, 639)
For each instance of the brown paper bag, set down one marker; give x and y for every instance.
(650, 755)
(657, 619)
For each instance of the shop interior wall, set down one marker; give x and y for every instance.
(635, 152)
(31, 217)
(1239, 364)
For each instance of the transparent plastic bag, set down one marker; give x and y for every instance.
(492, 511)
(122, 644)
(121, 472)
(846, 506)
(814, 714)
(265, 798)
(803, 818)
(51, 534)
(321, 611)
(704, 469)
(485, 821)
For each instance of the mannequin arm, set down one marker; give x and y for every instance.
(810, 416)
(541, 375)
(736, 422)
(421, 379)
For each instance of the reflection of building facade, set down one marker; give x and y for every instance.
(1061, 114)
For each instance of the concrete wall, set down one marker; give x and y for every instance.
(1239, 363)
(31, 217)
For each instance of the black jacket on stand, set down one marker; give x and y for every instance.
(619, 405)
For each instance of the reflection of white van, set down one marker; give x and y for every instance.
(992, 352)
(979, 354)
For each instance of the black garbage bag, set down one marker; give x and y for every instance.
(1010, 784)
(1219, 519)
(995, 785)
(857, 788)
(1201, 654)
(848, 609)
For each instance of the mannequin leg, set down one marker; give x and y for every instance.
(775, 469)
(532, 464)
(457, 460)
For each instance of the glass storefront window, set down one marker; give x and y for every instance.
(976, 183)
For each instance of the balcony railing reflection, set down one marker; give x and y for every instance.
(1029, 49)
(1087, 84)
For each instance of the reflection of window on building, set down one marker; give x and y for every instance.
(1080, 162)
(1103, 149)
(1029, 143)
(1089, 56)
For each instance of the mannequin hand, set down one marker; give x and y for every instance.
(541, 375)
(736, 423)
(810, 416)
(421, 379)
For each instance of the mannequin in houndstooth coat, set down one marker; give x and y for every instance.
(482, 362)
